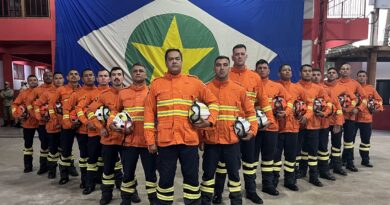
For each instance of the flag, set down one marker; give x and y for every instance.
(120, 33)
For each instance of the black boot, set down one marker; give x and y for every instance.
(350, 166)
(52, 166)
(254, 197)
(206, 198)
(276, 179)
(28, 167)
(235, 198)
(83, 177)
(99, 175)
(64, 173)
(217, 199)
(90, 182)
(313, 179)
(327, 175)
(106, 194)
(42, 165)
(72, 170)
(268, 183)
(367, 163)
(290, 181)
(135, 198)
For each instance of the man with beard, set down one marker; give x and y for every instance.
(20, 110)
(53, 126)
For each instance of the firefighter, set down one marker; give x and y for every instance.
(350, 117)
(132, 101)
(94, 147)
(62, 96)
(167, 104)
(53, 126)
(323, 154)
(337, 120)
(289, 128)
(254, 90)
(111, 139)
(45, 87)
(364, 118)
(20, 111)
(309, 135)
(221, 140)
(267, 139)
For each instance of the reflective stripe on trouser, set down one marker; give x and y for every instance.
(287, 143)
(349, 140)
(130, 157)
(110, 157)
(310, 147)
(166, 165)
(322, 153)
(336, 149)
(28, 136)
(266, 145)
(212, 156)
(365, 137)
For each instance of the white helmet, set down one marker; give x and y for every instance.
(262, 118)
(198, 110)
(102, 113)
(123, 120)
(241, 127)
(58, 107)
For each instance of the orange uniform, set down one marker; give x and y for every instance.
(168, 102)
(53, 125)
(25, 101)
(35, 95)
(84, 104)
(233, 103)
(312, 92)
(62, 95)
(335, 89)
(296, 92)
(364, 115)
(354, 87)
(251, 81)
(132, 100)
(272, 90)
(73, 100)
(107, 97)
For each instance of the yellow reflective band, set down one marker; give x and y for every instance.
(164, 198)
(80, 113)
(366, 145)
(214, 107)
(266, 108)
(207, 189)
(312, 157)
(175, 101)
(134, 109)
(108, 182)
(348, 143)
(13, 110)
(323, 158)
(222, 171)
(304, 153)
(267, 162)
(277, 169)
(137, 118)
(290, 105)
(235, 189)
(251, 94)
(167, 190)
(191, 196)
(288, 169)
(128, 190)
(128, 184)
(100, 164)
(51, 111)
(256, 163)
(65, 117)
(226, 118)
(249, 172)
(322, 153)
(252, 118)
(151, 190)
(83, 165)
(312, 163)
(353, 103)
(108, 176)
(233, 183)
(151, 184)
(221, 164)
(66, 164)
(339, 112)
(209, 182)
(228, 108)
(336, 154)
(52, 159)
(149, 125)
(310, 107)
(267, 169)
(305, 158)
(250, 165)
(364, 149)
(329, 104)
(269, 99)
(90, 115)
(66, 158)
(336, 149)
(92, 165)
(189, 187)
(29, 107)
(279, 163)
(298, 158)
(37, 110)
(166, 113)
(291, 164)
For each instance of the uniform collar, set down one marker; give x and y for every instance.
(170, 76)
(330, 84)
(239, 70)
(138, 87)
(219, 83)
(345, 80)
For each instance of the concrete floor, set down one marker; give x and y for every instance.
(368, 186)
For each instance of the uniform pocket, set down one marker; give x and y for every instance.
(164, 131)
